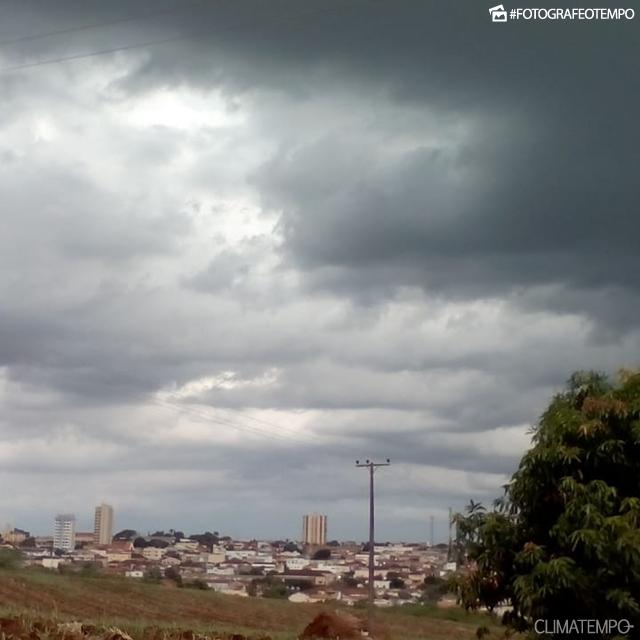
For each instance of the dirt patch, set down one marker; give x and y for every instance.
(333, 625)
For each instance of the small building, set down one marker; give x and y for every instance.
(51, 563)
(153, 553)
(297, 564)
(14, 536)
(84, 537)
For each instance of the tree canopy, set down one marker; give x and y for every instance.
(322, 554)
(125, 534)
(564, 541)
(208, 539)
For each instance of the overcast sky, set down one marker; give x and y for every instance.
(293, 234)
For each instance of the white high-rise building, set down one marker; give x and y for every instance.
(64, 532)
(314, 529)
(103, 524)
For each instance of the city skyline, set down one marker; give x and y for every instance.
(249, 567)
(287, 236)
(314, 529)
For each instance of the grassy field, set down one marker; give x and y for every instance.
(134, 605)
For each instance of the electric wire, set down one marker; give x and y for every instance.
(279, 427)
(155, 42)
(98, 25)
(283, 434)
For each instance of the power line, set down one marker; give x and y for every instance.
(97, 25)
(283, 435)
(282, 428)
(286, 433)
(92, 54)
(149, 43)
(214, 419)
(285, 430)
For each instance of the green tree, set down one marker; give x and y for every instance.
(396, 583)
(125, 534)
(433, 588)
(198, 583)
(349, 581)
(252, 588)
(276, 589)
(157, 543)
(207, 539)
(10, 559)
(153, 574)
(268, 587)
(172, 573)
(564, 541)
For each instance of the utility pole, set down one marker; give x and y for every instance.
(372, 466)
(450, 551)
(431, 539)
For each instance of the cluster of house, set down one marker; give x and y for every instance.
(338, 571)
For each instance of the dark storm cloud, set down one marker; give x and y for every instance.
(542, 191)
(480, 220)
(447, 52)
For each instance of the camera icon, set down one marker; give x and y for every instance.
(498, 13)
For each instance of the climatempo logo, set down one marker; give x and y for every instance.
(498, 13)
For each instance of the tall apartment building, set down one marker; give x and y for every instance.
(314, 529)
(64, 532)
(103, 524)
